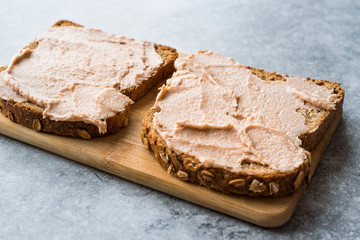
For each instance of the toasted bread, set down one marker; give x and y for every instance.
(31, 115)
(254, 179)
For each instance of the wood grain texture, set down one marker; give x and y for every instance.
(124, 155)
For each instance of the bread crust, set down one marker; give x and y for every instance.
(30, 115)
(254, 180)
(169, 56)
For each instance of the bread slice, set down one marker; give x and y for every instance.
(255, 180)
(30, 115)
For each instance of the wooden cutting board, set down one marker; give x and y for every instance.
(124, 155)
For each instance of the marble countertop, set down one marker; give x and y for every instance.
(45, 196)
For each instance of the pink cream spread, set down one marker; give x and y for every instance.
(215, 109)
(75, 73)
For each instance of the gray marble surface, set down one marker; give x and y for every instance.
(44, 196)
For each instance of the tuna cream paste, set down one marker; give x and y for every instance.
(216, 110)
(75, 73)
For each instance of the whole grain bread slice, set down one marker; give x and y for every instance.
(30, 115)
(255, 179)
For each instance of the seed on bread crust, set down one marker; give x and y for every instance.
(208, 176)
(164, 158)
(257, 186)
(36, 125)
(183, 175)
(83, 134)
(299, 179)
(273, 188)
(10, 116)
(237, 183)
(169, 169)
(191, 165)
(146, 143)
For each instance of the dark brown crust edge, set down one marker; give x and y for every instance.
(169, 56)
(30, 115)
(262, 183)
